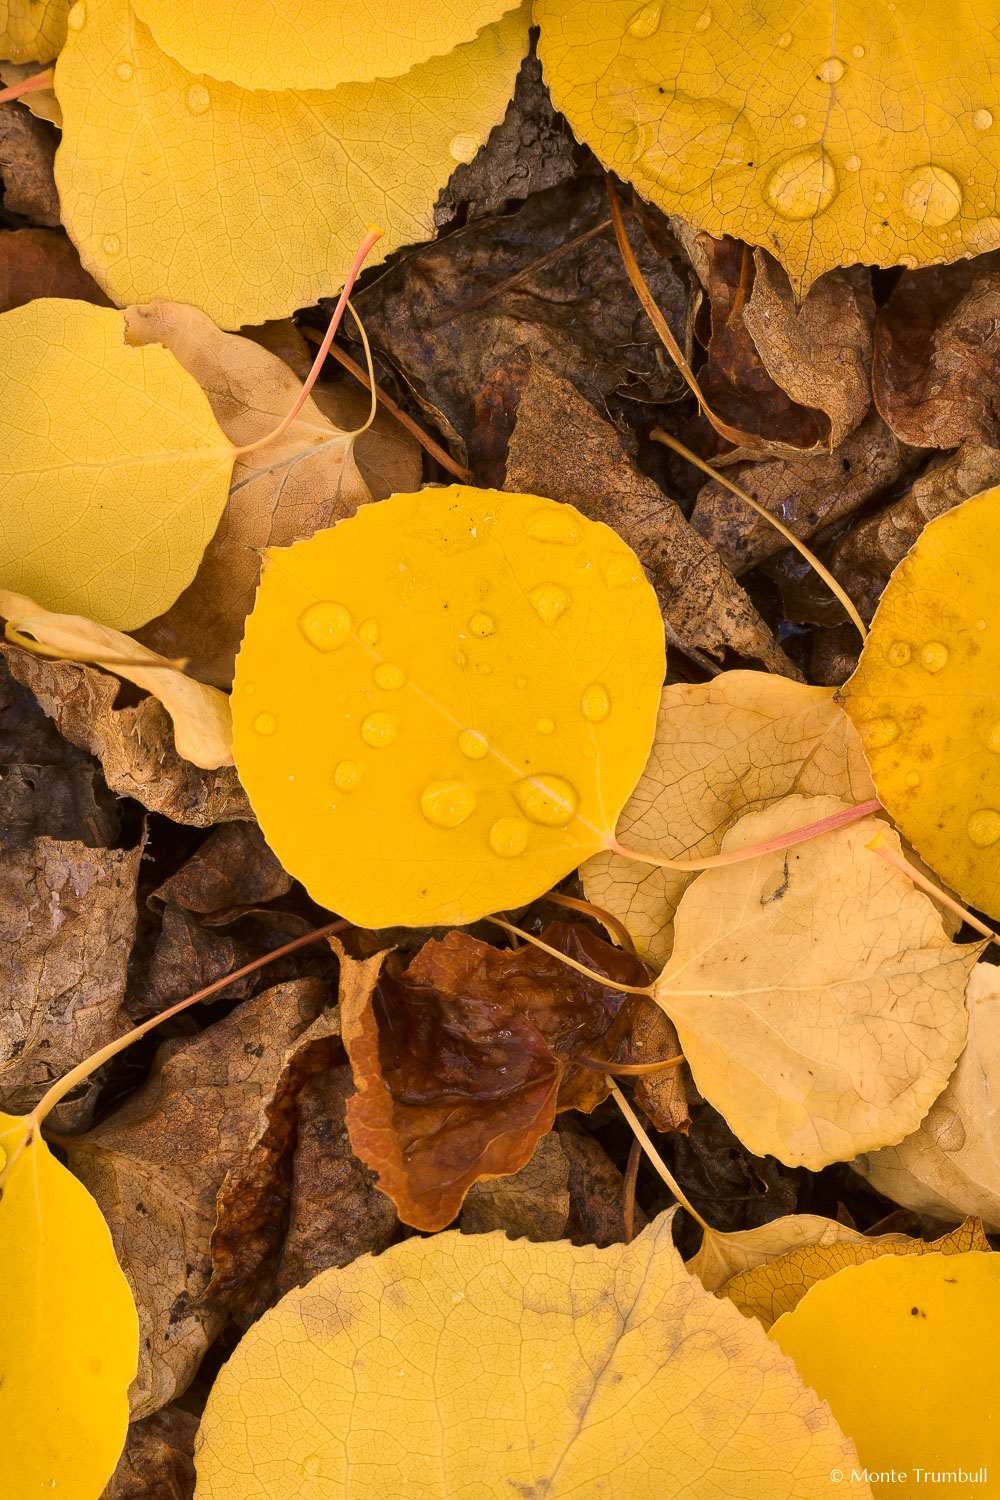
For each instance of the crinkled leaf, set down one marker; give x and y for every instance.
(721, 1256)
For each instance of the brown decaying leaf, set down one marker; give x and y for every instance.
(67, 920)
(530, 1204)
(937, 344)
(157, 1164)
(307, 479)
(158, 1461)
(562, 448)
(27, 151)
(461, 1061)
(134, 745)
(806, 493)
(42, 263)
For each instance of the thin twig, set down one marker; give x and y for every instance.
(628, 1190)
(654, 1155)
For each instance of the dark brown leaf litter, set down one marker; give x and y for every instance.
(158, 1461)
(42, 263)
(27, 154)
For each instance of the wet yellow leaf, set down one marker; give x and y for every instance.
(69, 1334)
(769, 1291)
(113, 472)
(203, 726)
(468, 1364)
(309, 44)
(32, 30)
(832, 134)
(722, 748)
(247, 203)
(924, 699)
(442, 703)
(905, 1351)
(951, 1164)
(816, 993)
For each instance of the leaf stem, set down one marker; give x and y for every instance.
(616, 929)
(32, 85)
(564, 958)
(653, 1155)
(767, 846)
(878, 846)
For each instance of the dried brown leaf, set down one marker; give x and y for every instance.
(27, 152)
(42, 263)
(158, 1461)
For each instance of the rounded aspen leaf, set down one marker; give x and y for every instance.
(113, 471)
(69, 1336)
(843, 131)
(472, 1365)
(442, 703)
(926, 699)
(904, 1349)
(32, 30)
(248, 203)
(311, 44)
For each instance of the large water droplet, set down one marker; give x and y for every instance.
(831, 71)
(509, 837)
(447, 803)
(704, 21)
(852, 163)
(553, 525)
(265, 723)
(799, 122)
(785, 39)
(111, 244)
(596, 704)
(198, 99)
(463, 147)
(982, 119)
(550, 601)
(545, 726)
(547, 799)
(646, 22)
(933, 656)
(124, 71)
(898, 654)
(473, 744)
(346, 775)
(482, 625)
(803, 186)
(984, 827)
(77, 16)
(368, 632)
(912, 779)
(931, 196)
(878, 733)
(388, 676)
(379, 729)
(326, 625)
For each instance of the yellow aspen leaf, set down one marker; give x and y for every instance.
(905, 1350)
(721, 1256)
(816, 993)
(246, 203)
(309, 44)
(923, 698)
(722, 748)
(203, 726)
(832, 134)
(32, 30)
(769, 1291)
(951, 1164)
(468, 1364)
(442, 703)
(113, 471)
(69, 1335)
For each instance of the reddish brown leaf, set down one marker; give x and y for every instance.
(42, 263)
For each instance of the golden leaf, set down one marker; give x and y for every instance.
(471, 1364)
(722, 1256)
(32, 30)
(832, 134)
(924, 699)
(247, 203)
(442, 703)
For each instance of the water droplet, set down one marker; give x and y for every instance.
(618, 569)
(484, 669)
(799, 122)
(447, 803)
(457, 1297)
(898, 654)
(595, 704)
(265, 723)
(857, 52)
(982, 119)
(803, 186)
(111, 244)
(547, 799)
(831, 71)
(326, 625)
(878, 733)
(379, 729)
(646, 22)
(545, 726)
(785, 39)
(368, 632)
(473, 744)
(312, 1465)
(124, 71)
(993, 738)
(913, 779)
(931, 196)
(389, 676)
(879, 197)
(852, 163)
(933, 656)
(482, 625)
(984, 827)
(508, 837)
(980, 624)
(346, 775)
(76, 17)
(704, 21)
(198, 98)
(550, 601)
(463, 147)
(554, 525)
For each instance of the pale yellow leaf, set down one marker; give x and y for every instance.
(723, 1256)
